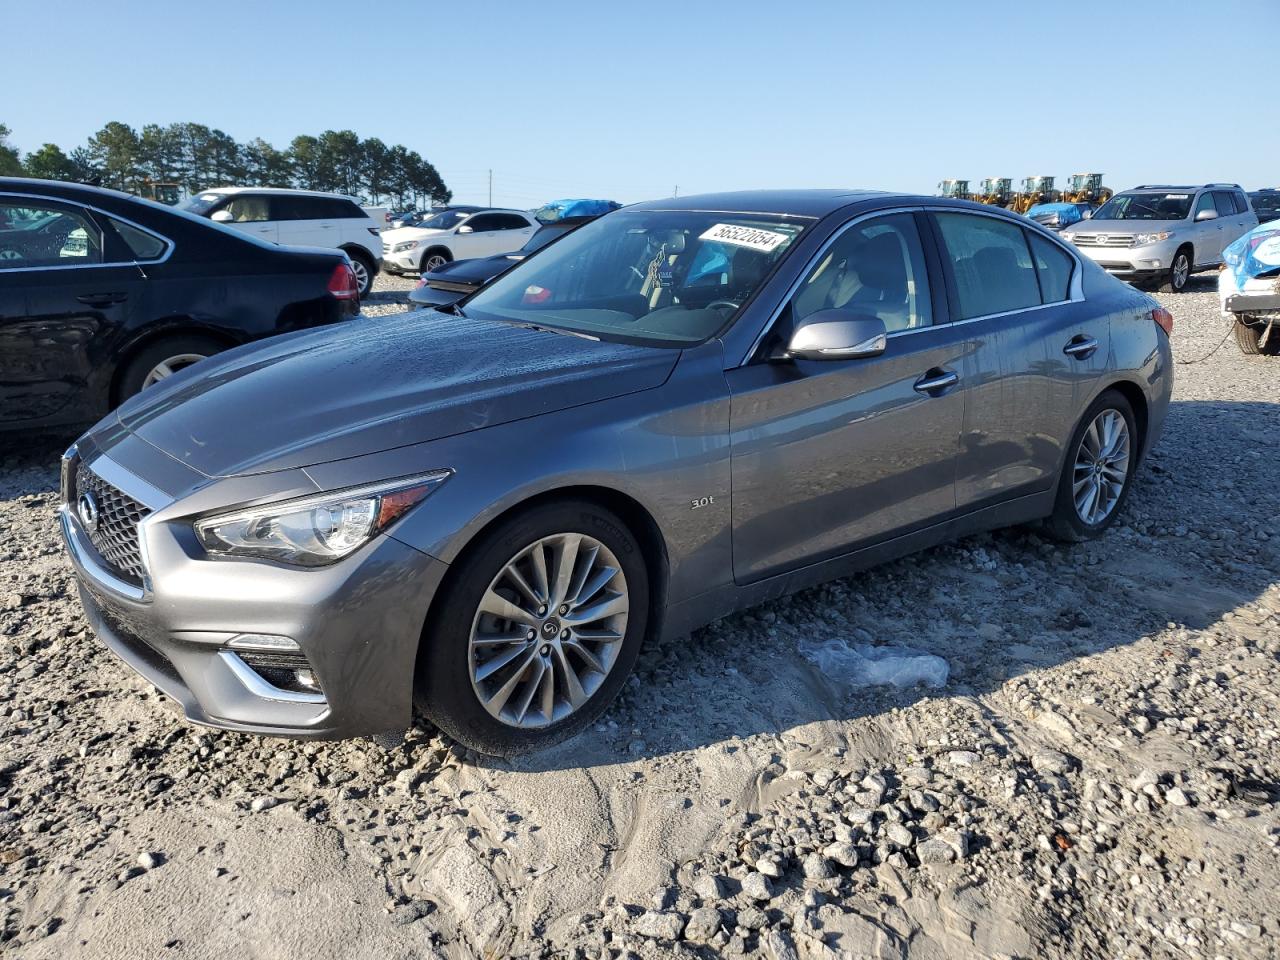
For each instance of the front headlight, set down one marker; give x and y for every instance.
(317, 530)
(1143, 239)
(406, 245)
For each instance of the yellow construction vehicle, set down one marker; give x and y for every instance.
(954, 190)
(996, 191)
(1087, 188)
(1035, 190)
(169, 193)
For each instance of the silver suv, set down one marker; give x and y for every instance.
(1160, 234)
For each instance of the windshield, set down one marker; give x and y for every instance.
(201, 203)
(443, 220)
(1145, 206)
(670, 277)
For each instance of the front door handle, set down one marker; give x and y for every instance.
(936, 380)
(1081, 346)
(102, 299)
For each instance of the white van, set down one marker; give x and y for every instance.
(304, 218)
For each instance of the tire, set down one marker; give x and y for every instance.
(176, 352)
(365, 271)
(1179, 274)
(434, 259)
(1249, 340)
(452, 675)
(1068, 522)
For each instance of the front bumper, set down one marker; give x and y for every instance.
(408, 261)
(358, 623)
(1132, 263)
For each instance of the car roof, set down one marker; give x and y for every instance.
(279, 190)
(797, 203)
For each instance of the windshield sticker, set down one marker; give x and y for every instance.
(1177, 196)
(766, 241)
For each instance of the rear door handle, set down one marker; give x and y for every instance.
(1081, 346)
(102, 299)
(936, 380)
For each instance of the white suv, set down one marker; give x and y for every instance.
(456, 233)
(303, 218)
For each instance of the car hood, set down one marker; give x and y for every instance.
(366, 386)
(400, 234)
(1125, 226)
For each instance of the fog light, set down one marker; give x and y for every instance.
(307, 680)
(266, 642)
(1151, 263)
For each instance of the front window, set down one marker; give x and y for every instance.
(444, 220)
(667, 277)
(1145, 206)
(201, 203)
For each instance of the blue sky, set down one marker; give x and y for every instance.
(630, 100)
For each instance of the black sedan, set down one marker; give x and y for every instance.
(102, 294)
(457, 279)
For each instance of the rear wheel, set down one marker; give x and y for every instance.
(1249, 339)
(160, 360)
(1179, 271)
(537, 630)
(1098, 472)
(362, 266)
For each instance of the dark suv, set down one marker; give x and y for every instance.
(103, 294)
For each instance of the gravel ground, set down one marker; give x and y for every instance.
(1097, 778)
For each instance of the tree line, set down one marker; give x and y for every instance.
(197, 157)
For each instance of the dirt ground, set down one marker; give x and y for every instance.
(1097, 778)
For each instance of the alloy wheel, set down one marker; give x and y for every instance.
(1181, 271)
(167, 368)
(1101, 467)
(433, 262)
(362, 275)
(548, 630)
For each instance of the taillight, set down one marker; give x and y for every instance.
(342, 283)
(420, 284)
(1163, 319)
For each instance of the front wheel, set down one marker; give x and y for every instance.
(433, 261)
(1179, 272)
(538, 627)
(1098, 472)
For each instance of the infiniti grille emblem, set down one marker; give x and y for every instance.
(87, 511)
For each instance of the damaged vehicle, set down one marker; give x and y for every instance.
(1249, 289)
(674, 412)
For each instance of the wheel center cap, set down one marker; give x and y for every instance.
(550, 628)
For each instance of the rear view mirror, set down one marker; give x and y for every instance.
(1206, 215)
(838, 335)
(221, 216)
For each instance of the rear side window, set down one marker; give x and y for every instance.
(145, 246)
(991, 263)
(1242, 204)
(286, 207)
(510, 221)
(1053, 266)
(38, 234)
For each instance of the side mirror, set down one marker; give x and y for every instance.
(465, 229)
(221, 216)
(1087, 215)
(1206, 215)
(838, 335)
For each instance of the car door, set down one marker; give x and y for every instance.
(516, 231)
(66, 290)
(1234, 222)
(1037, 348)
(833, 454)
(482, 236)
(250, 213)
(1206, 234)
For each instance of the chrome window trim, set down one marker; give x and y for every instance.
(168, 251)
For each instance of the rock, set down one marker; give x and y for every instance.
(659, 925)
(898, 834)
(757, 887)
(963, 758)
(1052, 762)
(815, 867)
(407, 913)
(260, 804)
(845, 854)
(710, 888)
(769, 866)
(778, 945)
(934, 851)
(149, 861)
(752, 919)
(1178, 797)
(703, 925)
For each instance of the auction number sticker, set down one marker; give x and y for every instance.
(766, 241)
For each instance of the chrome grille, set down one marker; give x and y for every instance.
(386, 249)
(115, 535)
(1103, 239)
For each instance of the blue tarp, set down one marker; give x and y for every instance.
(562, 209)
(1254, 254)
(1068, 213)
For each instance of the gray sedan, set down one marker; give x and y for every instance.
(683, 408)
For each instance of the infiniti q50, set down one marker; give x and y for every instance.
(683, 408)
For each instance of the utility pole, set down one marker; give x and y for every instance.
(676, 192)
(491, 188)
